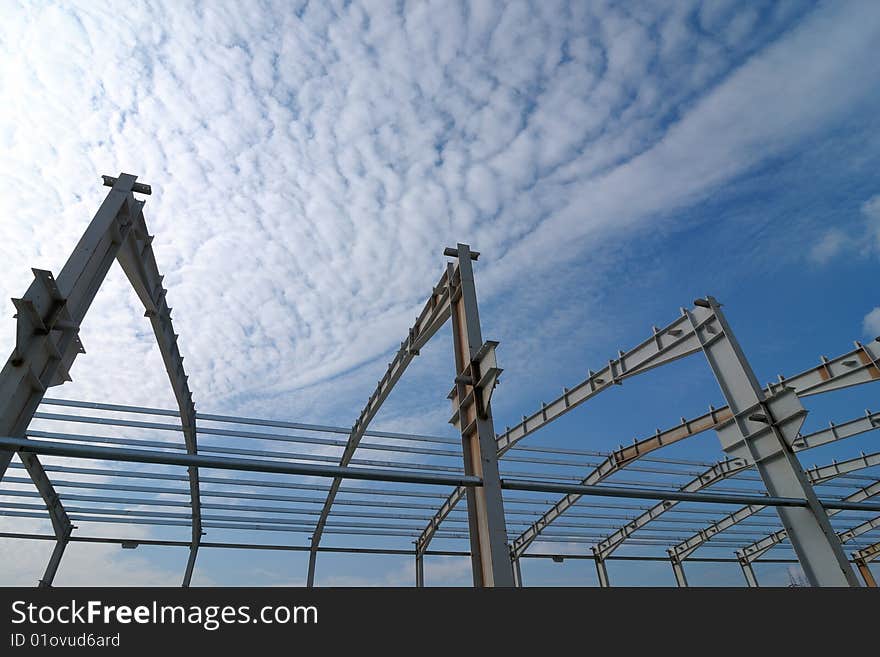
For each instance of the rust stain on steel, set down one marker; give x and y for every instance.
(698, 425)
(872, 368)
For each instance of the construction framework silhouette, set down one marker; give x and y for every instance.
(759, 430)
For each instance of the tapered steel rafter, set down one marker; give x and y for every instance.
(434, 314)
(830, 375)
(718, 472)
(757, 549)
(868, 422)
(139, 264)
(47, 340)
(746, 559)
(679, 553)
(675, 341)
(762, 431)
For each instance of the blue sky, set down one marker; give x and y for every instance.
(310, 161)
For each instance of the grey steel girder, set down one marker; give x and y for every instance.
(749, 573)
(138, 261)
(746, 556)
(869, 553)
(718, 472)
(762, 546)
(139, 264)
(713, 475)
(762, 431)
(864, 557)
(852, 368)
(801, 442)
(420, 570)
(434, 314)
(675, 341)
(47, 341)
(678, 571)
(47, 338)
(758, 548)
(476, 375)
(804, 384)
(868, 422)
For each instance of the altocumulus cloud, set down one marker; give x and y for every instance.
(310, 160)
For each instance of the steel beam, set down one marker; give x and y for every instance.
(23, 445)
(762, 546)
(678, 571)
(762, 431)
(867, 575)
(818, 475)
(47, 339)
(805, 384)
(666, 345)
(749, 573)
(139, 264)
(434, 314)
(601, 571)
(55, 559)
(710, 477)
(862, 558)
(47, 336)
(476, 374)
(378, 474)
(517, 573)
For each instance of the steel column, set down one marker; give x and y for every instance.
(678, 570)
(55, 560)
(420, 570)
(517, 573)
(762, 430)
(748, 572)
(675, 341)
(601, 571)
(852, 368)
(476, 376)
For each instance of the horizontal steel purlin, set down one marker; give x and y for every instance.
(758, 548)
(675, 341)
(817, 476)
(713, 475)
(134, 542)
(867, 554)
(224, 463)
(830, 375)
(852, 368)
(376, 474)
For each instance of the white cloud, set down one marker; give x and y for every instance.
(84, 564)
(310, 164)
(871, 323)
(831, 245)
(308, 169)
(871, 210)
(864, 240)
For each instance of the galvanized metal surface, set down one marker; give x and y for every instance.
(759, 428)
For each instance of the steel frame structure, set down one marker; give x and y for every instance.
(759, 429)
